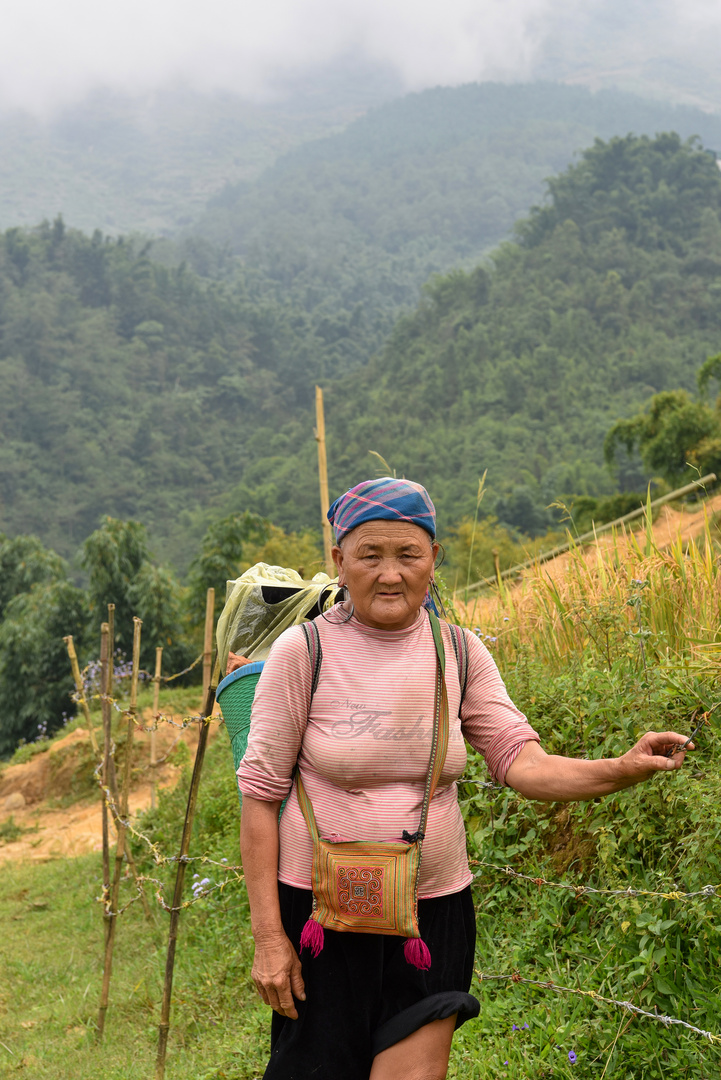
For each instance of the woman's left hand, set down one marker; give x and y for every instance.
(653, 753)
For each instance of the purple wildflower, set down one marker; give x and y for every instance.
(572, 1056)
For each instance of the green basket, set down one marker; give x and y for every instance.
(235, 697)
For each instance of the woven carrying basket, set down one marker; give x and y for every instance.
(235, 697)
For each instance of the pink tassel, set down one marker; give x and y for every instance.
(417, 953)
(313, 937)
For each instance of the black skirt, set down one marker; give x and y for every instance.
(361, 994)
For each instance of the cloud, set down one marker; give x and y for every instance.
(55, 51)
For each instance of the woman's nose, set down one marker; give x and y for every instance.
(390, 570)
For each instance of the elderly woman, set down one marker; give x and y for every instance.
(356, 1009)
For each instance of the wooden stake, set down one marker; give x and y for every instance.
(80, 691)
(323, 479)
(109, 781)
(208, 640)
(105, 706)
(156, 713)
(164, 1025)
(121, 829)
(111, 649)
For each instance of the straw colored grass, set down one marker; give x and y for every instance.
(627, 593)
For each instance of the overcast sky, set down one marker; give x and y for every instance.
(55, 51)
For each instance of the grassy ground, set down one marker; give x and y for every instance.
(51, 948)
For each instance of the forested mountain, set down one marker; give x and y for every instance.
(352, 225)
(346, 228)
(141, 391)
(129, 388)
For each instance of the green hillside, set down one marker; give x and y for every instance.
(141, 391)
(129, 388)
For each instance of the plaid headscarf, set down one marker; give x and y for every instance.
(383, 500)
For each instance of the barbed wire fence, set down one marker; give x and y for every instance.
(152, 887)
(204, 888)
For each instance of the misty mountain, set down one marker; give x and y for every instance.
(351, 226)
(657, 48)
(149, 163)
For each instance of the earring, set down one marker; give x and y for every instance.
(435, 593)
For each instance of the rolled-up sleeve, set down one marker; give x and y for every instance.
(489, 720)
(278, 720)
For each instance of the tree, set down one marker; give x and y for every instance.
(121, 572)
(35, 677)
(24, 562)
(220, 558)
(671, 434)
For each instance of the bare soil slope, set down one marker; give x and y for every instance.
(47, 797)
(674, 523)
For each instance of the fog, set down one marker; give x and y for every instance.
(55, 51)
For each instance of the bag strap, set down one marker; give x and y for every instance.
(441, 726)
(460, 648)
(306, 807)
(315, 653)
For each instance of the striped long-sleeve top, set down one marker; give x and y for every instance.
(363, 747)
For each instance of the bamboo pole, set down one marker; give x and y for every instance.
(111, 781)
(121, 829)
(164, 1025)
(537, 560)
(156, 713)
(323, 479)
(105, 707)
(208, 640)
(111, 650)
(80, 691)
(113, 788)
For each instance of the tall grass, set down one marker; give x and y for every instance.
(612, 599)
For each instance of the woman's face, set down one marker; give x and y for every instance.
(386, 567)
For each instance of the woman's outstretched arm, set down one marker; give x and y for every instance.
(549, 777)
(276, 967)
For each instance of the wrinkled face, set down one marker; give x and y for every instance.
(386, 567)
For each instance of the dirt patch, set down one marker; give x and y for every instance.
(673, 525)
(40, 829)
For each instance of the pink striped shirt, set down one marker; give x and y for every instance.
(363, 750)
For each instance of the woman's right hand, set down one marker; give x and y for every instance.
(277, 974)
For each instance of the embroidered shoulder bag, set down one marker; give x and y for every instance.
(371, 887)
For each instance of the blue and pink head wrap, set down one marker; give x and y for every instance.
(385, 499)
